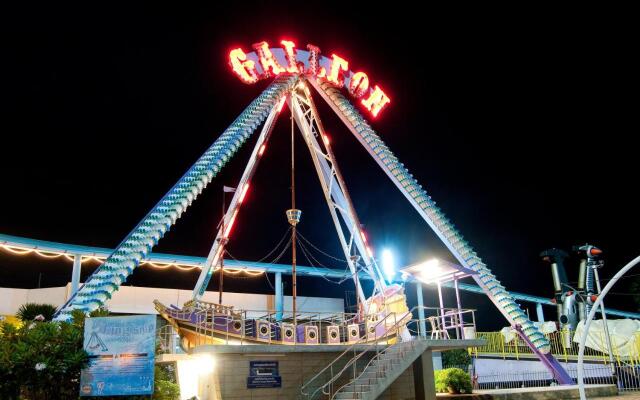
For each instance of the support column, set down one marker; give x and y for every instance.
(422, 323)
(539, 312)
(279, 297)
(424, 382)
(75, 274)
(459, 304)
(442, 318)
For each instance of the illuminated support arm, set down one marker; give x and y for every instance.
(333, 186)
(135, 247)
(428, 210)
(232, 212)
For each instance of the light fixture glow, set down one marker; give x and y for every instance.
(204, 364)
(244, 192)
(388, 264)
(430, 270)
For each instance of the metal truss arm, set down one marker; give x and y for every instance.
(428, 210)
(232, 212)
(139, 242)
(333, 186)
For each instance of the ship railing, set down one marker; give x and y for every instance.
(432, 322)
(206, 331)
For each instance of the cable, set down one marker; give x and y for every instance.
(286, 234)
(314, 267)
(269, 282)
(347, 277)
(321, 251)
(284, 250)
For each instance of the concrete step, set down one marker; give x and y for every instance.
(373, 374)
(357, 387)
(366, 381)
(385, 363)
(350, 395)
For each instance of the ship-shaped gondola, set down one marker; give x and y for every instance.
(204, 323)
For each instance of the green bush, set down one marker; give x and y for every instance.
(28, 311)
(41, 360)
(455, 358)
(452, 380)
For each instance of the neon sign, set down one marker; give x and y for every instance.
(265, 62)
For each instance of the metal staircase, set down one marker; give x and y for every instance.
(352, 375)
(383, 369)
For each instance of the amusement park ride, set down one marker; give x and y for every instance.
(294, 73)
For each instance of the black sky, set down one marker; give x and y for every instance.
(519, 123)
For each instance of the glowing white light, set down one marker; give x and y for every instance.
(205, 364)
(430, 270)
(388, 264)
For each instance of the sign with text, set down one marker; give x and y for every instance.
(266, 62)
(121, 356)
(263, 374)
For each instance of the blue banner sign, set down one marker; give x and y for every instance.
(121, 356)
(263, 374)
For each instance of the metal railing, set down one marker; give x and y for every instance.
(444, 323)
(367, 343)
(562, 347)
(327, 388)
(627, 378)
(167, 340)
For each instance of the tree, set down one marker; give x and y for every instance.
(41, 360)
(29, 311)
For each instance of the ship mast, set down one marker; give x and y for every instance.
(293, 216)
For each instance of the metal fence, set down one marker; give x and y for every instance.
(562, 347)
(627, 377)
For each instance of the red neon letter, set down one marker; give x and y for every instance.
(267, 60)
(290, 52)
(245, 69)
(338, 66)
(359, 84)
(377, 99)
(314, 60)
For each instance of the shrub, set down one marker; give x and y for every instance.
(455, 358)
(452, 380)
(41, 360)
(28, 311)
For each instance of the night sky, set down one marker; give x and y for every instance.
(519, 123)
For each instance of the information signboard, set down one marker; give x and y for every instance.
(263, 374)
(121, 356)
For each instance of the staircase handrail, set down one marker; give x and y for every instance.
(364, 338)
